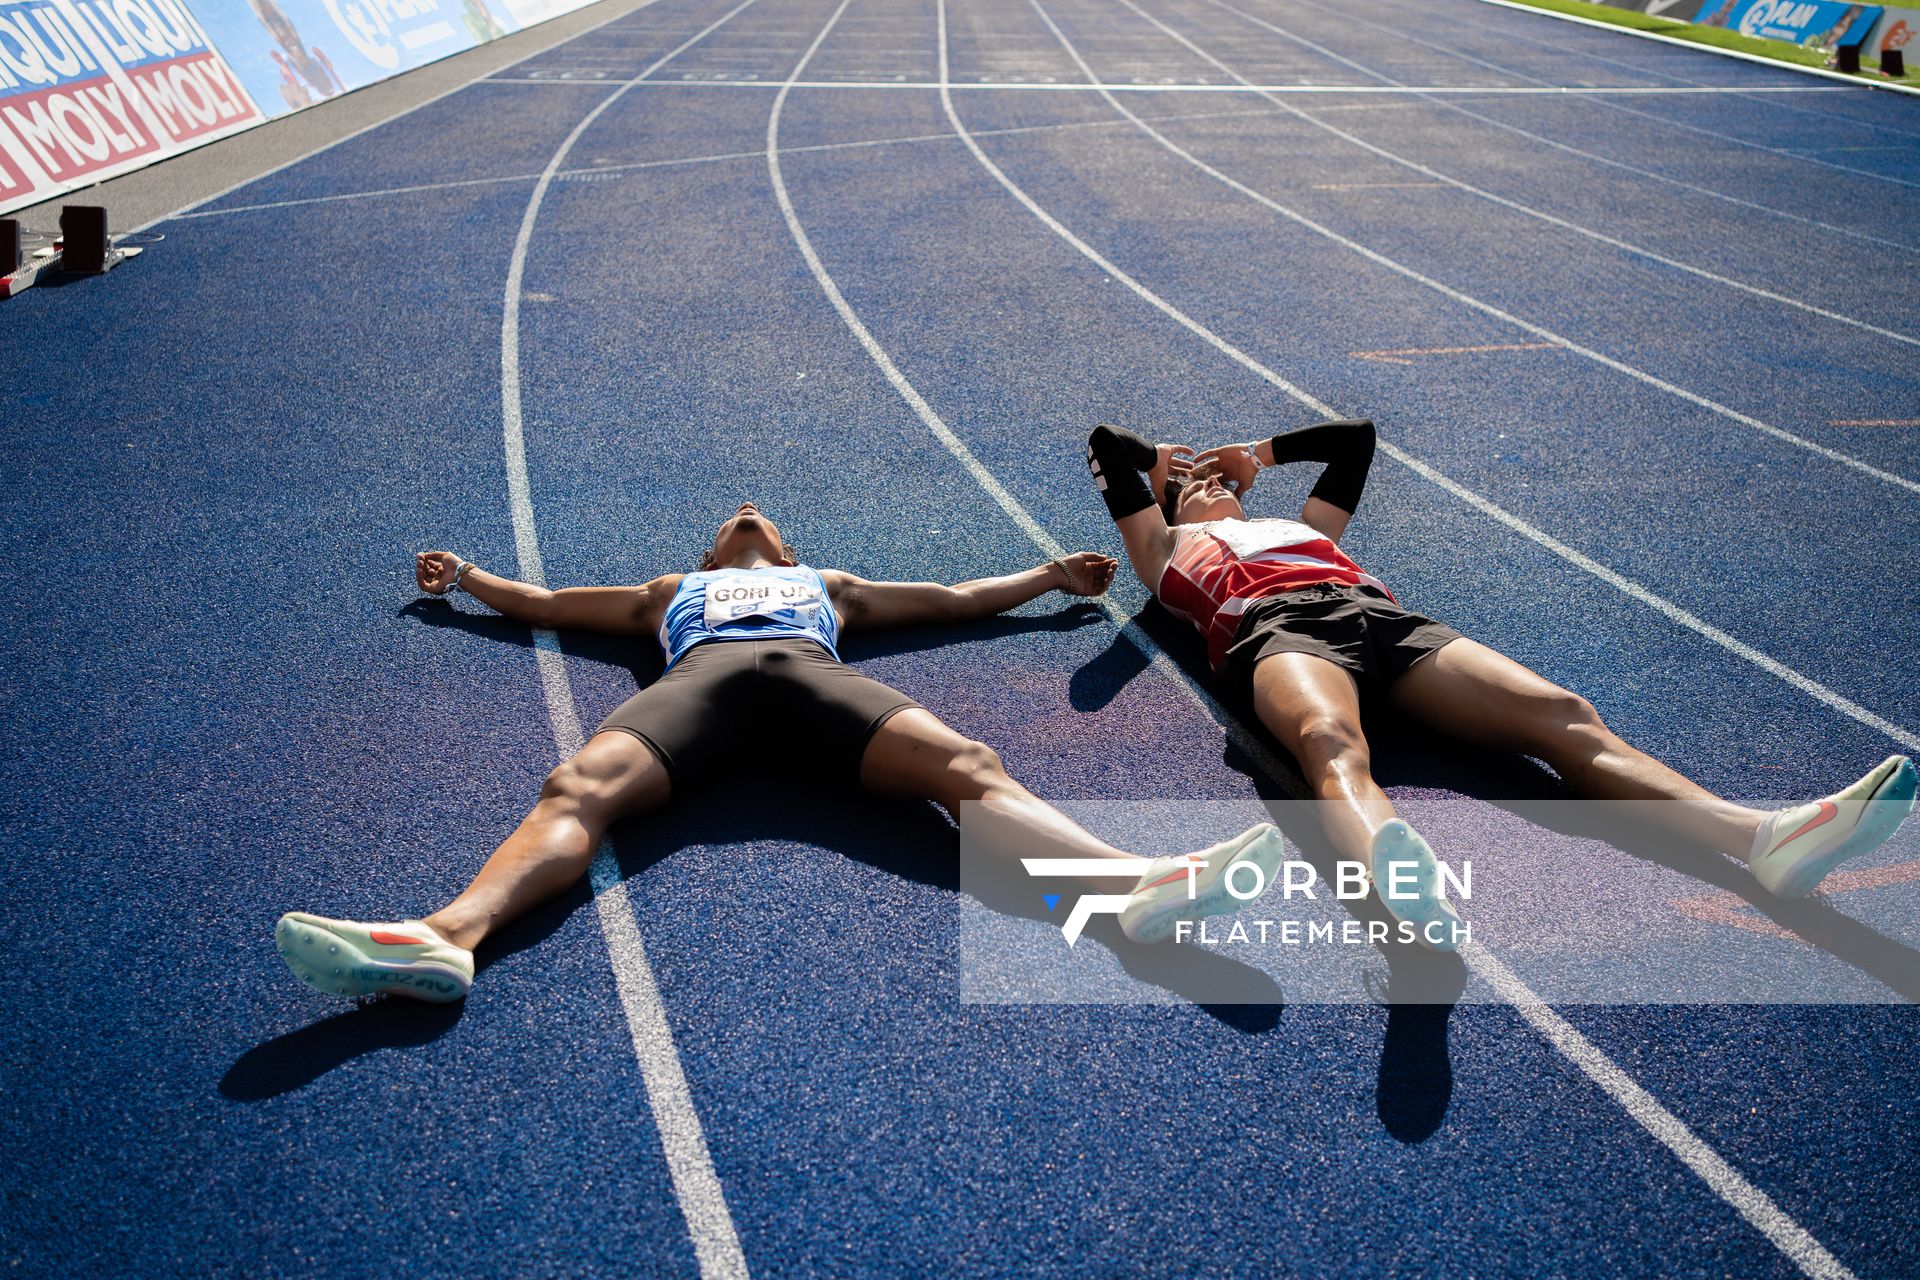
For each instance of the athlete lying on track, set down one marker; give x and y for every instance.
(753, 673)
(1309, 635)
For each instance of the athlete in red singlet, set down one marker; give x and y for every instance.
(1290, 620)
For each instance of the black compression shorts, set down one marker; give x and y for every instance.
(782, 703)
(1358, 628)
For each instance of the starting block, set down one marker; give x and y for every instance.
(84, 248)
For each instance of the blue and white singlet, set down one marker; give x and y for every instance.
(773, 602)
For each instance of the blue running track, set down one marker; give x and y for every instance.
(1634, 332)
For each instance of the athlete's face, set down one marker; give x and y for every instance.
(1206, 499)
(745, 533)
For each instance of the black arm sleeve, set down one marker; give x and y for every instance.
(1347, 449)
(1117, 458)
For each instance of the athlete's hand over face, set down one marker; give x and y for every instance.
(1235, 464)
(1171, 462)
(434, 571)
(1088, 573)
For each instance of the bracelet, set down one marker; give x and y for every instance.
(1066, 579)
(458, 574)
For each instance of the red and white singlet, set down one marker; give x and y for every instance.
(1221, 567)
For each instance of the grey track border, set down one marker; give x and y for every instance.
(1822, 72)
(146, 196)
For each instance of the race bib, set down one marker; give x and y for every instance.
(757, 596)
(1249, 538)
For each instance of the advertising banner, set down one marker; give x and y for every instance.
(1814, 24)
(1897, 29)
(1680, 10)
(90, 88)
(93, 88)
(294, 53)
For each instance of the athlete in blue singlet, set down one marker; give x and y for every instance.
(753, 677)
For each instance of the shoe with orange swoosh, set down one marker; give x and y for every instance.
(1809, 840)
(347, 958)
(1160, 900)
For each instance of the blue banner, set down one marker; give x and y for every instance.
(1815, 24)
(293, 53)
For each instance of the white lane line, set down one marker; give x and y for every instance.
(703, 1202)
(1697, 47)
(1759, 1209)
(592, 173)
(1467, 299)
(1564, 224)
(1587, 54)
(1508, 35)
(1049, 86)
(336, 198)
(1007, 503)
(1749, 1201)
(1790, 153)
(1527, 133)
(1541, 138)
(305, 156)
(1619, 582)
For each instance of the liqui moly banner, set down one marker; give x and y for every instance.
(89, 88)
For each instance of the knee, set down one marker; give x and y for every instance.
(1329, 744)
(974, 770)
(1564, 711)
(575, 786)
(1562, 725)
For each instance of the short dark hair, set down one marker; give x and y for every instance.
(1170, 499)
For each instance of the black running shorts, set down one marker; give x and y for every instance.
(1358, 628)
(784, 704)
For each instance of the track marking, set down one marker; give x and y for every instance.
(1619, 582)
(1733, 910)
(1373, 186)
(1589, 55)
(1875, 422)
(1046, 86)
(1550, 142)
(1565, 224)
(591, 173)
(990, 483)
(1854, 81)
(1749, 1201)
(1760, 1210)
(415, 189)
(1467, 299)
(703, 1202)
(1396, 357)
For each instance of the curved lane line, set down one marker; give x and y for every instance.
(703, 1203)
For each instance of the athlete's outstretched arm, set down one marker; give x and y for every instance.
(900, 604)
(1345, 446)
(619, 610)
(1118, 457)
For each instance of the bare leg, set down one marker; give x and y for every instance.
(613, 776)
(1477, 695)
(916, 754)
(1313, 707)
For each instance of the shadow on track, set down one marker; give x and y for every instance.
(915, 841)
(1406, 754)
(298, 1058)
(903, 838)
